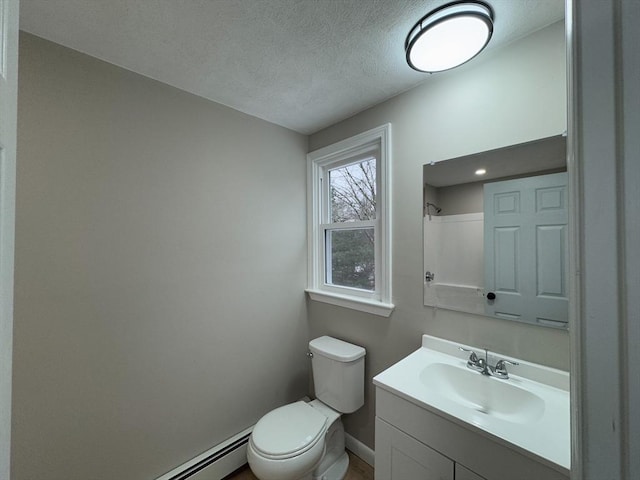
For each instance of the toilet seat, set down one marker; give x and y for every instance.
(288, 431)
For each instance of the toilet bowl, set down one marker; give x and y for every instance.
(298, 441)
(305, 441)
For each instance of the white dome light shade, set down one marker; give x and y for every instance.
(449, 36)
(448, 44)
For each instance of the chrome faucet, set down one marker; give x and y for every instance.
(475, 363)
(482, 364)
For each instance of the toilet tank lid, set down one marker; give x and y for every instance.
(336, 349)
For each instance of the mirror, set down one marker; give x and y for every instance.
(495, 243)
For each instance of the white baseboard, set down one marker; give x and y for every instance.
(360, 449)
(237, 458)
(215, 463)
(223, 467)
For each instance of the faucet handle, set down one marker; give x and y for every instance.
(473, 356)
(500, 370)
(474, 362)
(501, 363)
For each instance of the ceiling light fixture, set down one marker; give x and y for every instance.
(449, 36)
(481, 171)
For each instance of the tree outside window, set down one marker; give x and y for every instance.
(352, 191)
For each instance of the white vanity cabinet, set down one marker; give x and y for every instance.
(437, 419)
(399, 456)
(466, 474)
(413, 443)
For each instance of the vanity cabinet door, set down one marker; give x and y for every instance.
(466, 474)
(401, 457)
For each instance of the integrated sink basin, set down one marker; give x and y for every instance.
(486, 395)
(528, 412)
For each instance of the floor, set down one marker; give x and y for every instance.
(358, 470)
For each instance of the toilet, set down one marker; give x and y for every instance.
(305, 441)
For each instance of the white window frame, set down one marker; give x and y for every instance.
(319, 162)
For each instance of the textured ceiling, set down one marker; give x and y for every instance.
(302, 64)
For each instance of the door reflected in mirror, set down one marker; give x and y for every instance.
(495, 233)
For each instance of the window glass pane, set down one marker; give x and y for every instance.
(351, 258)
(353, 192)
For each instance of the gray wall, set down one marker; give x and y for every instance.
(463, 198)
(516, 95)
(160, 269)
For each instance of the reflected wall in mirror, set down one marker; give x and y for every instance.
(495, 233)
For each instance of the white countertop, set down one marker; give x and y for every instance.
(545, 434)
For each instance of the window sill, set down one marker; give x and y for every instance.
(362, 304)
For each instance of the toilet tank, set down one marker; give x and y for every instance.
(338, 373)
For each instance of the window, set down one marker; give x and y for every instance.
(349, 224)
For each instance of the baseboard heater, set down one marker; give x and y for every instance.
(216, 463)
